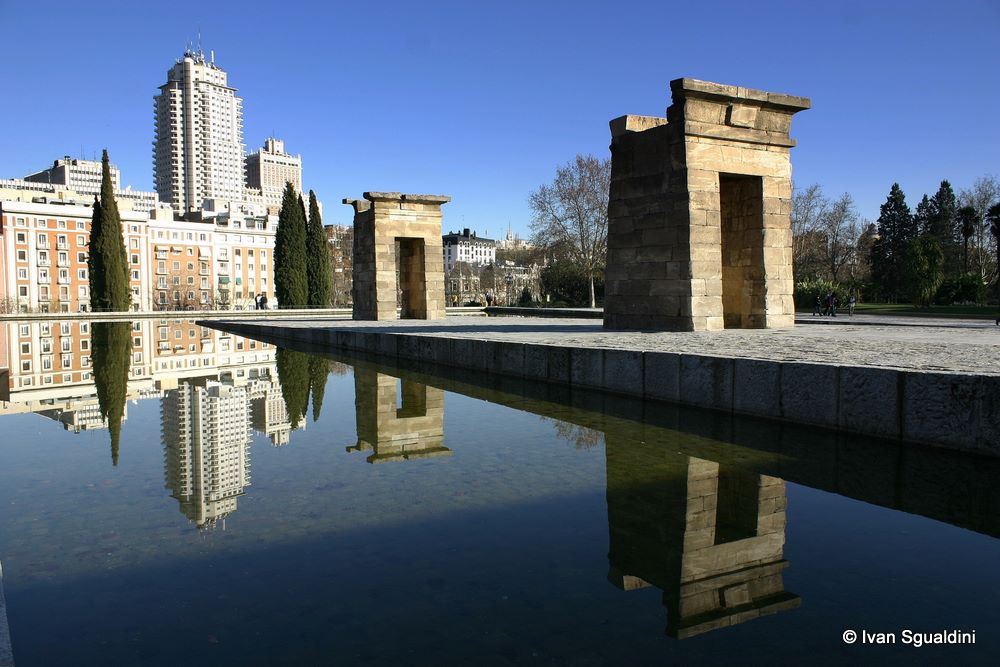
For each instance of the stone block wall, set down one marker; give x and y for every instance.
(699, 230)
(398, 234)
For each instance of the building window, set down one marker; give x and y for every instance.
(22, 255)
(25, 348)
(22, 237)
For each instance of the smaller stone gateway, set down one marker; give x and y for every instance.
(398, 235)
(699, 229)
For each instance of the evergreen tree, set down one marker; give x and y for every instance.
(943, 225)
(924, 269)
(896, 230)
(318, 251)
(111, 350)
(291, 283)
(922, 216)
(107, 264)
(319, 369)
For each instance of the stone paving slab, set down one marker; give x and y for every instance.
(961, 346)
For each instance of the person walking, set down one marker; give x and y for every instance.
(851, 302)
(818, 306)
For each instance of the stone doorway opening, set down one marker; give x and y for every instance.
(744, 288)
(411, 282)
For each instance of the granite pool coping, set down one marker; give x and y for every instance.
(6, 652)
(931, 385)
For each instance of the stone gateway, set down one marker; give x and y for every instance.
(398, 256)
(699, 228)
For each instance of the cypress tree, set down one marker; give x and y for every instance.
(291, 282)
(318, 257)
(943, 225)
(111, 344)
(107, 263)
(896, 230)
(319, 369)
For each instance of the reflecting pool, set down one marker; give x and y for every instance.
(174, 495)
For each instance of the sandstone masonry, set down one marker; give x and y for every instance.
(699, 232)
(398, 234)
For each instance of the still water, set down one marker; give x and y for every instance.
(173, 495)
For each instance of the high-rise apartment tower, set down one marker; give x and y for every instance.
(198, 151)
(270, 168)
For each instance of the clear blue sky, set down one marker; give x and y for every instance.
(482, 100)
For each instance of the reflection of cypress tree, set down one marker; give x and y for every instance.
(319, 368)
(293, 374)
(111, 344)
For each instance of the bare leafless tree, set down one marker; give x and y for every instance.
(809, 205)
(571, 214)
(841, 228)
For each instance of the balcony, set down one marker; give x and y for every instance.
(44, 262)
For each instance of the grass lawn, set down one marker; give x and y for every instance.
(965, 312)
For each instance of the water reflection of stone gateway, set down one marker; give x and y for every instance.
(710, 536)
(398, 235)
(397, 419)
(699, 231)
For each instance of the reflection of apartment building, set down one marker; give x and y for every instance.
(46, 367)
(269, 413)
(206, 438)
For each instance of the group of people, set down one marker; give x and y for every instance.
(260, 301)
(828, 305)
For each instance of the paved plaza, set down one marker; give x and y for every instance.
(907, 343)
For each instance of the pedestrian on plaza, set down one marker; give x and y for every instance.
(256, 301)
(827, 302)
(263, 301)
(833, 305)
(489, 298)
(851, 302)
(818, 306)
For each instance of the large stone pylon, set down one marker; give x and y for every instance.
(699, 229)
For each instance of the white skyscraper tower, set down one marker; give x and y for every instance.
(198, 151)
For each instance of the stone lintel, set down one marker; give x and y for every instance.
(684, 87)
(631, 123)
(360, 205)
(409, 198)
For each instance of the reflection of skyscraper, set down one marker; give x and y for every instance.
(412, 427)
(710, 536)
(206, 437)
(269, 413)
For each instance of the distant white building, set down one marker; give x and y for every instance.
(469, 248)
(198, 152)
(84, 177)
(513, 242)
(270, 168)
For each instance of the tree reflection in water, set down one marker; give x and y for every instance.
(293, 374)
(112, 346)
